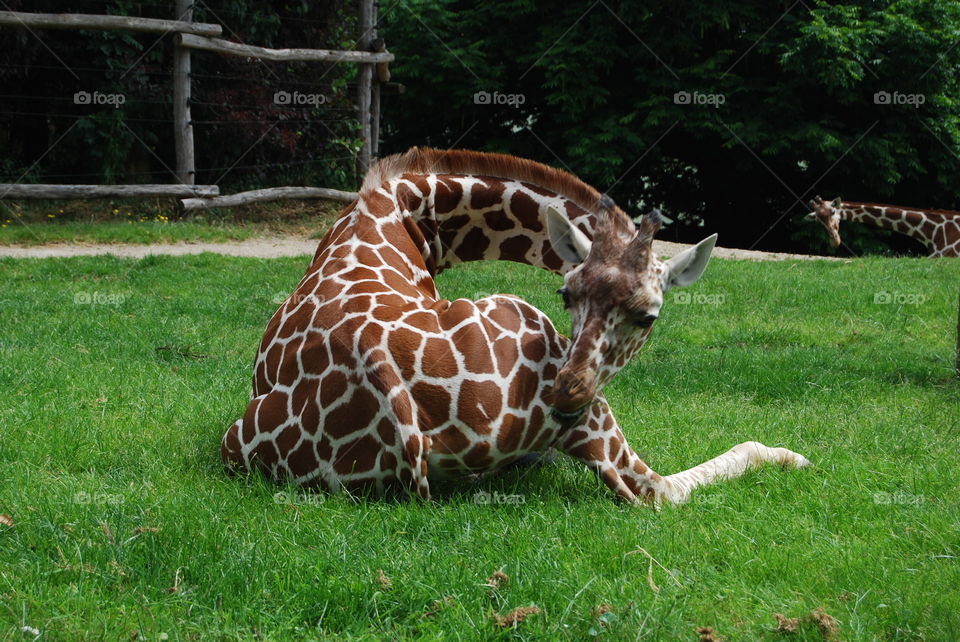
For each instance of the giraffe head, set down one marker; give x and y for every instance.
(614, 295)
(826, 212)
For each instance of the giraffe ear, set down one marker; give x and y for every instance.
(836, 202)
(688, 266)
(567, 240)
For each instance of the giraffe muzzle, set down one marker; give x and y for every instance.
(573, 392)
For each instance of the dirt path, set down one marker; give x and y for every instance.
(666, 248)
(273, 247)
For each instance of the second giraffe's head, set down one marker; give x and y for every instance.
(614, 295)
(827, 213)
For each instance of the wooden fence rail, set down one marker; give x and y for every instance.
(35, 190)
(280, 55)
(268, 194)
(105, 23)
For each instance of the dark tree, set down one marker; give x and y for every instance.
(729, 115)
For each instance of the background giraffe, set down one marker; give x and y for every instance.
(365, 376)
(938, 230)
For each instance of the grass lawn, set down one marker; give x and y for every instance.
(153, 221)
(118, 378)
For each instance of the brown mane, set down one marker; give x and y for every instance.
(900, 207)
(425, 160)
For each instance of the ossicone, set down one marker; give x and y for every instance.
(650, 225)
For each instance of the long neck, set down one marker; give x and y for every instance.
(913, 223)
(456, 218)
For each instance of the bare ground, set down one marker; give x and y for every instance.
(273, 247)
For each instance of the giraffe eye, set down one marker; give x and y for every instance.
(565, 293)
(644, 320)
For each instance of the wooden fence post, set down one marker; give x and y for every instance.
(365, 83)
(182, 124)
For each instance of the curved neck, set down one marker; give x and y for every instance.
(454, 218)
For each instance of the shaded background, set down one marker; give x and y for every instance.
(782, 103)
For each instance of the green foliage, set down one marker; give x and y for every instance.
(798, 116)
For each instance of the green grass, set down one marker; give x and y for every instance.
(152, 221)
(102, 435)
(145, 232)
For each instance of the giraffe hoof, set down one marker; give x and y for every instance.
(791, 459)
(801, 461)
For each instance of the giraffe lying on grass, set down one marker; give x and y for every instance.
(366, 378)
(939, 230)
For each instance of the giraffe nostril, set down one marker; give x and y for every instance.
(574, 391)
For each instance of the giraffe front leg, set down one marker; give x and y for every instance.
(729, 465)
(601, 445)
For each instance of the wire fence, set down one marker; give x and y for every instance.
(258, 122)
